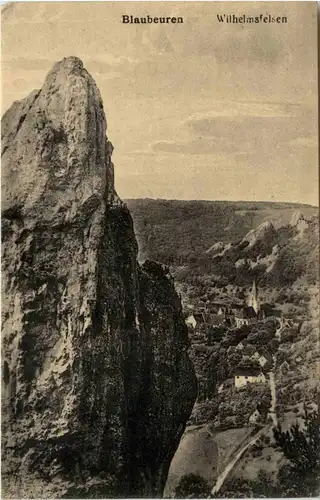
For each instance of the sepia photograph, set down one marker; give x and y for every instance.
(160, 250)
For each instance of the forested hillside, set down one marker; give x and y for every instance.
(175, 232)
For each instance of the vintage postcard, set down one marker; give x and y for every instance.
(160, 250)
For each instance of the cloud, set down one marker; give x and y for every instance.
(231, 131)
(249, 128)
(107, 61)
(109, 68)
(198, 146)
(236, 109)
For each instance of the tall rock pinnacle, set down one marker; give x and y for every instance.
(97, 384)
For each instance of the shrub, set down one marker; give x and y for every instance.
(301, 446)
(192, 486)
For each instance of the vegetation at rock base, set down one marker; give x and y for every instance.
(301, 446)
(263, 487)
(299, 477)
(192, 486)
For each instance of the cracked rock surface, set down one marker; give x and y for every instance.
(97, 384)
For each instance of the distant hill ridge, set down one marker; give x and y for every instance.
(177, 232)
(293, 204)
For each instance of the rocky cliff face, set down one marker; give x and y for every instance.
(97, 384)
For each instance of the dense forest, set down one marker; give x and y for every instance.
(184, 234)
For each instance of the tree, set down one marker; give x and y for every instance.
(215, 334)
(301, 446)
(192, 486)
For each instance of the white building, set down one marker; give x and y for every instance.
(254, 417)
(262, 360)
(239, 347)
(191, 321)
(244, 377)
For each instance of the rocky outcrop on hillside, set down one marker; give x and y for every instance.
(274, 256)
(97, 383)
(300, 224)
(264, 233)
(296, 218)
(216, 248)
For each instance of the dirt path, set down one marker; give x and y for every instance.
(272, 411)
(224, 474)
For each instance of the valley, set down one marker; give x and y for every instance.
(251, 304)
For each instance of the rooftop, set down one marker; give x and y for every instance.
(247, 372)
(246, 313)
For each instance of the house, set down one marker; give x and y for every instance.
(245, 316)
(240, 346)
(214, 319)
(234, 308)
(217, 303)
(254, 417)
(222, 311)
(244, 376)
(249, 350)
(206, 318)
(191, 321)
(262, 360)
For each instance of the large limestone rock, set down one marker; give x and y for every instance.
(264, 233)
(296, 218)
(216, 248)
(299, 223)
(97, 383)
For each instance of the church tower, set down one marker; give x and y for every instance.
(253, 298)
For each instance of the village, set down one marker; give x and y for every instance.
(209, 323)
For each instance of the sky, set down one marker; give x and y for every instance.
(199, 110)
